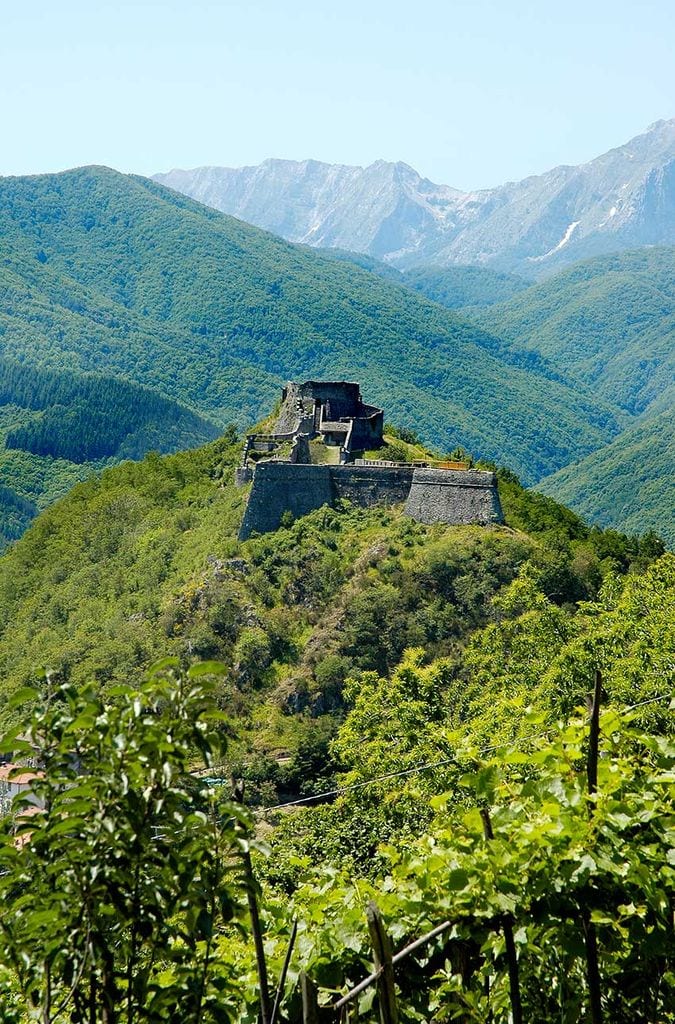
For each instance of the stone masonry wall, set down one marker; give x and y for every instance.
(280, 487)
(454, 496)
(343, 398)
(285, 487)
(430, 495)
(366, 485)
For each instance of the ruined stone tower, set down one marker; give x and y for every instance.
(290, 474)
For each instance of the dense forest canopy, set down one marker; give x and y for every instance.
(58, 427)
(85, 417)
(109, 272)
(608, 322)
(434, 676)
(629, 481)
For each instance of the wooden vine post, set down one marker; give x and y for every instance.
(256, 926)
(310, 1003)
(509, 941)
(384, 968)
(284, 972)
(590, 937)
(342, 1004)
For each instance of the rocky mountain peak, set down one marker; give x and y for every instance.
(621, 199)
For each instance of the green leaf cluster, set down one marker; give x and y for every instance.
(551, 857)
(120, 865)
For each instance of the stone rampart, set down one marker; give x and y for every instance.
(280, 487)
(286, 487)
(454, 496)
(431, 495)
(370, 485)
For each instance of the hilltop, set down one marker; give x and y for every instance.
(112, 274)
(144, 561)
(356, 650)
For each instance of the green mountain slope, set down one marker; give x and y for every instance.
(452, 287)
(58, 427)
(84, 417)
(145, 561)
(608, 322)
(109, 272)
(16, 512)
(311, 624)
(455, 287)
(629, 483)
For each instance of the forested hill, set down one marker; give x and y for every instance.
(608, 322)
(629, 482)
(57, 427)
(104, 271)
(452, 287)
(85, 417)
(144, 561)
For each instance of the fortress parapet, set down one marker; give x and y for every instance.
(430, 495)
(285, 479)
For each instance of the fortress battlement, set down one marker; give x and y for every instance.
(285, 480)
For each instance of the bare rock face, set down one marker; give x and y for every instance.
(621, 200)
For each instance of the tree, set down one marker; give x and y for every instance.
(114, 890)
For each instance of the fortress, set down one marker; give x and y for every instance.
(315, 456)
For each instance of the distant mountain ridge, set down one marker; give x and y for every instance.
(620, 200)
(117, 276)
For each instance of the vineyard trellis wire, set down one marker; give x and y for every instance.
(385, 960)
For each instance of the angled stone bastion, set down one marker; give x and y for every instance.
(289, 474)
(454, 496)
(430, 495)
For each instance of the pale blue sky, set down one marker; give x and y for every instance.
(470, 93)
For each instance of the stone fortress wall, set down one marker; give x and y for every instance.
(280, 487)
(334, 412)
(454, 496)
(430, 495)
